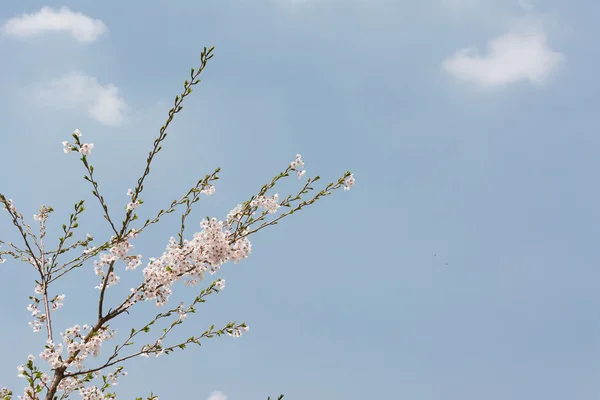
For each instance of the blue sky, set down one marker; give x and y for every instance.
(462, 265)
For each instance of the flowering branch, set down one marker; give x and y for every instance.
(187, 86)
(84, 149)
(205, 252)
(231, 329)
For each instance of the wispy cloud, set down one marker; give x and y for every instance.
(510, 58)
(217, 396)
(77, 90)
(83, 28)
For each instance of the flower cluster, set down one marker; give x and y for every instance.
(237, 331)
(132, 205)
(209, 190)
(30, 372)
(298, 163)
(234, 215)
(91, 393)
(36, 324)
(155, 349)
(349, 182)
(181, 312)
(117, 252)
(84, 148)
(206, 252)
(70, 384)
(43, 215)
(79, 346)
(56, 303)
(51, 354)
(271, 204)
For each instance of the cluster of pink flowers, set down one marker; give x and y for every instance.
(85, 148)
(51, 354)
(234, 215)
(29, 372)
(55, 303)
(209, 190)
(296, 164)
(132, 205)
(271, 204)
(117, 252)
(78, 346)
(70, 384)
(237, 332)
(29, 394)
(349, 182)
(42, 216)
(91, 393)
(206, 252)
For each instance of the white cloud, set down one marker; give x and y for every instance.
(76, 91)
(82, 28)
(510, 58)
(217, 396)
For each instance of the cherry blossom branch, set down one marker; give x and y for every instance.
(195, 192)
(324, 192)
(34, 260)
(187, 90)
(80, 260)
(15, 216)
(231, 329)
(17, 254)
(199, 299)
(94, 252)
(285, 203)
(85, 149)
(187, 86)
(200, 186)
(68, 231)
